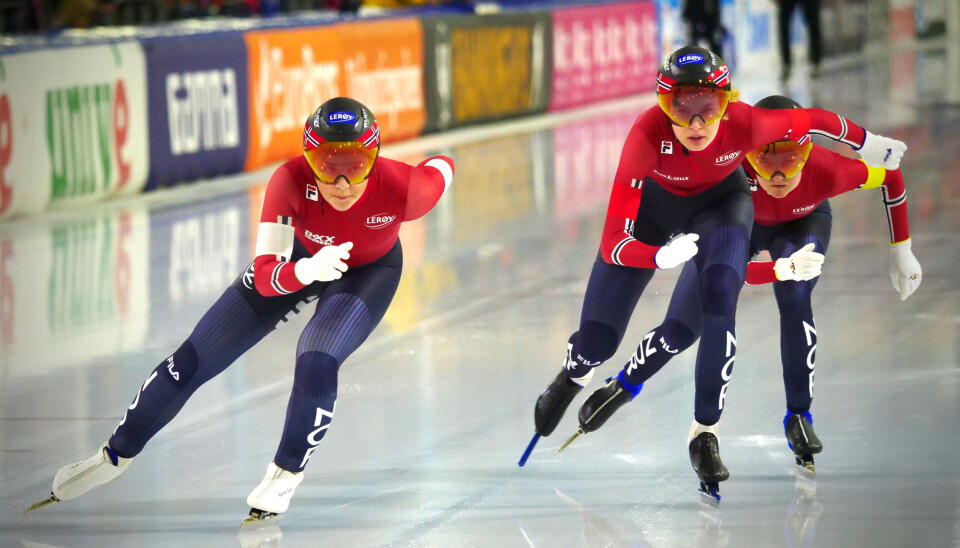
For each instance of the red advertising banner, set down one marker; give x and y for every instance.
(603, 52)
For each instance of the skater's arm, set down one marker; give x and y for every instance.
(803, 264)
(618, 246)
(427, 183)
(905, 271)
(274, 274)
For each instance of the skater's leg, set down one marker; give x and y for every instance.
(347, 312)
(679, 330)
(228, 329)
(798, 334)
(722, 262)
(612, 295)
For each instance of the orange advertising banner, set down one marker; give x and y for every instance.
(383, 69)
(291, 72)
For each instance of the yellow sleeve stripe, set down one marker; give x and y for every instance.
(875, 177)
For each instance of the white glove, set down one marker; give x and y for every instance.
(904, 269)
(880, 151)
(677, 251)
(325, 266)
(804, 264)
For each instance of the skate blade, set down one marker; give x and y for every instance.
(567, 443)
(806, 468)
(42, 503)
(259, 519)
(530, 446)
(710, 495)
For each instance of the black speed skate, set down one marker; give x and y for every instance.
(705, 458)
(804, 442)
(602, 404)
(553, 403)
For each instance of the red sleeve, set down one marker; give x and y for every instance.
(760, 272)
(273, 273)
(617, 245)
(895, 202)
(849, 174)
(428, 180)
(767, 126)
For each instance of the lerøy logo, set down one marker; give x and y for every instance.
(727, 158)
(804, 209)
(690, 58)
(379, 221)
(341, 118)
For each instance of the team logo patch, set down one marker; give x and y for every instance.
(312, 193)
(690, 58)
(341, 118)
(728, 158)
(666, 147)
(379, 221)
(320, 239)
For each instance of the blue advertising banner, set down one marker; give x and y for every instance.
(197, 100)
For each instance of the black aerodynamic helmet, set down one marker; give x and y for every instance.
(777, 102)
(785, 157)
(693, 82)
(341, 139)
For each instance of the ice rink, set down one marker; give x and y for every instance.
(436, 407)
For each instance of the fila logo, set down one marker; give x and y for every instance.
(379, 221)
(248, 277)
(754, 186)
(312, 193)
(803, 209)
(174, 374)
(728, 158)
(666, 147)
(322, 240)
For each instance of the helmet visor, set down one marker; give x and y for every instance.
(684, 103)
(351, 160)
(784, 157)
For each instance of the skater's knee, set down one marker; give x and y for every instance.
(315, 375)
(677, 335)
(181, 367)
(793, 294)
(595, 343)
(719, 288)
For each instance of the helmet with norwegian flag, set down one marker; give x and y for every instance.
(341, 139)
(693, 82)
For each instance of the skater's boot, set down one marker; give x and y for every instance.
(602, 404)
(804, 442)
(76, 479)
(705, 458)
(272, 497)
(553, 402)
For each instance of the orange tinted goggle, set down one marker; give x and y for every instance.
(784, 157)
(351, 160)
(684, 103)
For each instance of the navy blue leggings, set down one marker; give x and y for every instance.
(722, 216)
(347, 311)
(798, 336)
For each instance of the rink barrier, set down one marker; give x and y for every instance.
(603, 52)
(485, 68)
(75, 131)
(197, 100)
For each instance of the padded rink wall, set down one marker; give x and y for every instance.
(91, 115)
